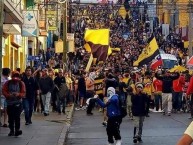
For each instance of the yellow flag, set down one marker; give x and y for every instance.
(148, 54)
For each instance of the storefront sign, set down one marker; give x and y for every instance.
(52, 21)
(30, 24)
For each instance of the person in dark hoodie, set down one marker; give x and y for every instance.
(167, 80)
(114, 116)
(139, 102)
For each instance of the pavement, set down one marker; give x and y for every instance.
(49, 130)
(158, 129)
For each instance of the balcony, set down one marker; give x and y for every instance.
(13, 12)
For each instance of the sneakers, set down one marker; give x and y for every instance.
(118, 142)
(11, 133)
(104, 123)
(190, 117)
(4, 125)
(139, 139)
(110, 144)
(90, 114)
(134, 139)
(169, 114)
(46, 114)
(81, 108)
(17, 133)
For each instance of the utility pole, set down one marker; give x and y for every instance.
(64, 31)
(1, 35)
(190, 28)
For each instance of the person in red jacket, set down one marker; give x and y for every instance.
(157, 84)
(178, 92)
(14, 90)
(188, 93)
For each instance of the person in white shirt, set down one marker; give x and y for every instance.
(4, 79)
(187, 138)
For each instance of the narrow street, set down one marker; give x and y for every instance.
(158, 129)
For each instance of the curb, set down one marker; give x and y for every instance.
(65, 130)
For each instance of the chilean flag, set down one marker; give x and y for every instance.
(156, 62)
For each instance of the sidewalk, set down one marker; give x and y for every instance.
(49, 130)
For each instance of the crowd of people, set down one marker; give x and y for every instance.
(140, 89)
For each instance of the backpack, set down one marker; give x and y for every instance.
(10, 81)
(122, 105)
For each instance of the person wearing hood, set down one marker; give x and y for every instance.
(113, 114)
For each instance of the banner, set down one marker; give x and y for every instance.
(59, 46)
(98, 86)
(52, 21)
(30, 24)
(70, 37)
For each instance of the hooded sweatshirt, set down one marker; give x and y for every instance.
(112, 105)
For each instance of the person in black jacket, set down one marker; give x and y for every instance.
(167, 80)
(139, 102)
(32, 88)
(46, 87)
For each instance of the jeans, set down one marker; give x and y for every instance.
(177, 100)
(14, 112)
(138, 125)
(158, 101)
(28, 105)
(167, 102)
(46, 101)
(61, 102)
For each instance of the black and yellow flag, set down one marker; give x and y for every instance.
(148, 54)
(97, 42)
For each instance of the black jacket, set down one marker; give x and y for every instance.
(167, 81)
(139, 102)
(31, 86)
(46, 85)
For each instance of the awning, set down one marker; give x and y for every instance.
(11, 29)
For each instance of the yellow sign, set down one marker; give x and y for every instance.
(52, 21)
(59, 46)
(122, 12)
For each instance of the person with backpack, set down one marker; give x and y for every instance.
(139, 102)
(61, 91)
(14, 90)
(114, 116)
(32, 88)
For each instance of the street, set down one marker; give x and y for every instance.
(158, 129)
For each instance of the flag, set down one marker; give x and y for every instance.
(156, 62)
(148, 53)
(97, 42)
